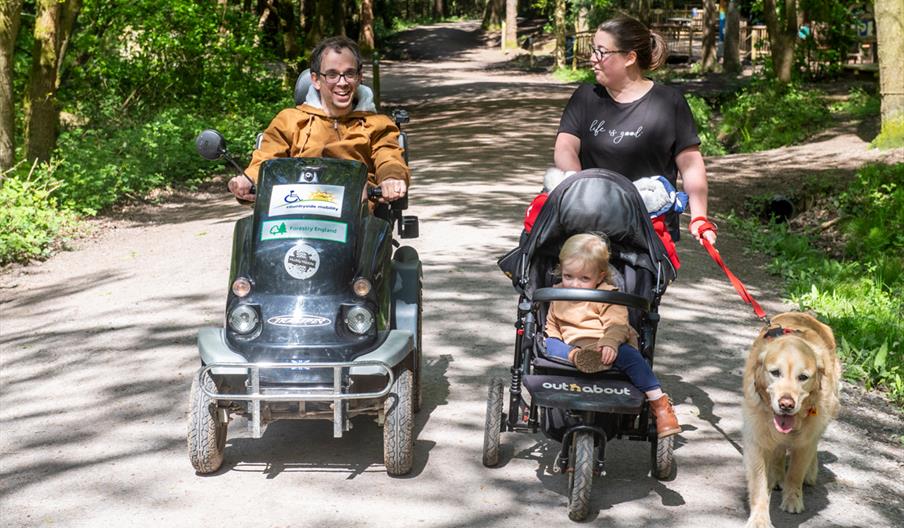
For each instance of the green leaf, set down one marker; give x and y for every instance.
(881, 356)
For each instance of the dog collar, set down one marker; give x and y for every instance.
(778, 331)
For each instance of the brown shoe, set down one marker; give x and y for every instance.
(588, 359)
(666, 421)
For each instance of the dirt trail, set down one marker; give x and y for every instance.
(98, 347)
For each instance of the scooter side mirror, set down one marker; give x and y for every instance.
(211, 144)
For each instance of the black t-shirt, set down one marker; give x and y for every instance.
(636, 139)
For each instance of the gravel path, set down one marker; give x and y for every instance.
(98, 348)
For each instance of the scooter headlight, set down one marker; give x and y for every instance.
(359, 319)
(243, 319)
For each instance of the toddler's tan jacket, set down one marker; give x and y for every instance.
(581, 323)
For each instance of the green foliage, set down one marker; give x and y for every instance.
(859, 104)
(861, 296)
(580, 75)
(892, 134)
(31, 223)
(768, 114)
(703, 117)
(874, 206)
(831, 30)
(98, 167)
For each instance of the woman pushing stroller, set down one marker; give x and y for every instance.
(597, 336)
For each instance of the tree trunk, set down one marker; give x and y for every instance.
(492, 15)
(338, 19)
(582, 19)
(560, 33)
(366, 39)
(782, 28)
(511, 23)
(67, 23)
(41, 113)
(438, 10)
(640, 9)
(710, 35)
(731, 55)
(9, 29)
(890, 40)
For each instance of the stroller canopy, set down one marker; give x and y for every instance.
(596, 200)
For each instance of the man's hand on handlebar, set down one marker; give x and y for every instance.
(392, 189)
(242, 187)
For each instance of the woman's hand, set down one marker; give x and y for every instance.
(702, 224)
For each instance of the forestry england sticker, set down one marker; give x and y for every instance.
(306, 199)
(319, 229)
(302, 261)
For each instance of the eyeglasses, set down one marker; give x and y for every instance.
(332, 76)
(601, 53)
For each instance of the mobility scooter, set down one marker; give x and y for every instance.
(323, 310)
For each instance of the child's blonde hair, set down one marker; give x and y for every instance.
(589, 248)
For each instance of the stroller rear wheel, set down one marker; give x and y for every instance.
(493, 426)
(662, 458)
(580, 480)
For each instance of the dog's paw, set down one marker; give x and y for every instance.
(759, 521)
(792, 501)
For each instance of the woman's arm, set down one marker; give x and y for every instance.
(693, 174)
(566, 155)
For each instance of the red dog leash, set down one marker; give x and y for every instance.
(714, 254)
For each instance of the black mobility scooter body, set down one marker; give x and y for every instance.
(583, 411)
(323, 319)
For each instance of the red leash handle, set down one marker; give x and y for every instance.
(738, 285)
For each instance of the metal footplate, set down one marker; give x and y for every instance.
(332, 394)
(585, 394)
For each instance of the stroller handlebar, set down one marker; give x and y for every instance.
(601, 296)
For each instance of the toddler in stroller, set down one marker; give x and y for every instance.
(584, 410)
(598, 334)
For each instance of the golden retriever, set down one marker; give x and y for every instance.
(791, 393)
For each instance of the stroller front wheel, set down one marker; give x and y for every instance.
(580, 479)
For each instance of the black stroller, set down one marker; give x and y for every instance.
(583, 411)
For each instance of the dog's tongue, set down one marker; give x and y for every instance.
(784, 422)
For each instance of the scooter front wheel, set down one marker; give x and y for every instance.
(206, 435)
(398, 441)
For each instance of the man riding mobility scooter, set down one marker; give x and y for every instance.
(583, 411)
(323, 318)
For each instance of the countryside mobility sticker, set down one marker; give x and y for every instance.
(295, 199)
(319, 229)
(301, 261)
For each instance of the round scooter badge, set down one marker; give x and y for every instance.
(302, 261)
